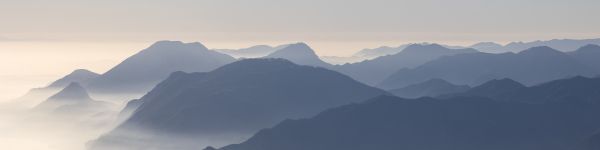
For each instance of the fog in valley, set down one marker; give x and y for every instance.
(26, 130)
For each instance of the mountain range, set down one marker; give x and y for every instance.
(532, 66)
(241, 97)
(538, 98)
(374, 71)
(564, 45)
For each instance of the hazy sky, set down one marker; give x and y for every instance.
(41, 40)
(239, 23)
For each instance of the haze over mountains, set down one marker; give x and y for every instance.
(430, 88)
(73, 99)
(564, 45)
(241, 97)
(80, 76)
(299, 53)
(380, 51)
(532, 66)
(251, 52)
(376, 70)
(126, 77)
(538, 98)
(37, 95)
(372, 53)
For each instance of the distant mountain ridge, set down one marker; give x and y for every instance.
(570, 90)
(299, 53)
(564, 45)
(372, 53)
(380, 51)
(431, 88)
(374, 71)
(251, 52)
(533, 66)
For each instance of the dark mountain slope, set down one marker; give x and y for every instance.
(390, 123)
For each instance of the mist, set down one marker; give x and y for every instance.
(26, 130)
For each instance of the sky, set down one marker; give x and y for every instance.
(42, 40)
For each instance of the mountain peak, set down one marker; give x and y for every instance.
(486, 44)
(299, 45)
(295, 49)
(499, 84)
(299, 53)
(79, 75)
(175, 44)
(431, 83)
(488, 47)
(432, 48)
(166, 43)
(83, 72)
(371, 53)
(504, 81)
(259, 47)
(540, 51)
(74, 91)
(413, 47)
